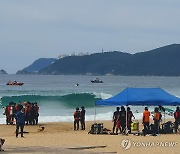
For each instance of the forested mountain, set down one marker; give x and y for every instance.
(163, 61)
(37, 65)
(98, 63)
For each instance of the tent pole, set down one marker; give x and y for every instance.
(127, 114)
(95, 113)
(126, 120)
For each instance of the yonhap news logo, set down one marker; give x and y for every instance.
(127, 143)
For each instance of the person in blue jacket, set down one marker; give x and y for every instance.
(20, 121)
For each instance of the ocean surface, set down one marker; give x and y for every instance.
(58, 95)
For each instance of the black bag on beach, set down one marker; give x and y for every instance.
(167, 128)
(96, 128)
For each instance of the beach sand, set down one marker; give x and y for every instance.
(60, 138)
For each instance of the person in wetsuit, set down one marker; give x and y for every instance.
(177, 119)
(123, 120)
(129, 118)
(115, 118)
(82, 118)
(20, 121)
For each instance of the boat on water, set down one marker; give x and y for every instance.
(97, 80)
(14, 83)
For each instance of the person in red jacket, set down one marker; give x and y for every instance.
(76, 119)
(177, 119)
(7, 113)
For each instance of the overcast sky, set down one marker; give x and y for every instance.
(31, 29)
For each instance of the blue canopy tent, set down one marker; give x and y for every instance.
(141, 96)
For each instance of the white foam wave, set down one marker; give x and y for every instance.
(92, 117)
(102, 95)
(69, 118)
(2, 120)
(106, 116)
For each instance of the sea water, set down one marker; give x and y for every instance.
(59, 95)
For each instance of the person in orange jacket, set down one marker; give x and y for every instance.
(157, 118)
(146, 119)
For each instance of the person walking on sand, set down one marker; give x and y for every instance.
(20, 121)
(115, 118)
(76, 119)
(145, 120)
(177, 119)
(82, 118)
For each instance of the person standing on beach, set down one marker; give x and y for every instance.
(36, 112)
(76, 119)
(115, 118)
(20, 121)
(145, 120)
(157, 118)
(7, 113)
(129, 118)
(118, 125)
(82, 118)
(177, 119)
(123, 120)
(12, 112)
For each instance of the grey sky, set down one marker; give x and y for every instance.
(31, 29)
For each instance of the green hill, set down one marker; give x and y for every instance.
(163, 61)
(37, 65)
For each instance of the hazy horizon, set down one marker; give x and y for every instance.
(46, 29)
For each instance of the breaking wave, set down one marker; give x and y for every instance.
(69, 100)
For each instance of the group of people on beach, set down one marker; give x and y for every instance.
(122, 120)
(21, 114)
(31, 112)
(79, 117)
(157, 118)
(119, 120)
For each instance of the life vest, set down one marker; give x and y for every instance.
(157, 116)
(177, 115)
(8, 111)
(146, 115)
(76, 115)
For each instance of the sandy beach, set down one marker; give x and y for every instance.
(61, 138)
